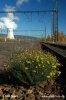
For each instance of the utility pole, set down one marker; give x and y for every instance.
(53, 31)
(56, 20)
(45, 33)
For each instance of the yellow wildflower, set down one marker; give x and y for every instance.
(48, 76)
(43, 66)
(34, 71)
(53, 66)
(58, 64)
(48, 62)
(59, 72)
(36, 67)
(28, 62)
(51, 74)
(42, 62)
(42, 58)
(39, 65)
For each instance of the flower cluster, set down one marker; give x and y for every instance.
(33, 67)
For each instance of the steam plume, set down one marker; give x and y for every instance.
(20, 2)
(1, 25)
(9, 20)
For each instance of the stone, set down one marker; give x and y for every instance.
(29, 91)
(40, 93)
(37, 97)
(1, 92)
(30, 97)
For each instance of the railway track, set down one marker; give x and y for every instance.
(59, 50)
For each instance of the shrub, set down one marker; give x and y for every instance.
(33, 67)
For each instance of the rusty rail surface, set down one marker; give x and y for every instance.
(59, 49)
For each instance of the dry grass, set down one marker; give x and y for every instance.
(7, 48)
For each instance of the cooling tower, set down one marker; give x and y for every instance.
(10, 34)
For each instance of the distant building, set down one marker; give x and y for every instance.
(10, 34)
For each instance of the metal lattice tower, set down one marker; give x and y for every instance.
(56, 22)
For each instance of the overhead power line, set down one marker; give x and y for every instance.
(28, 11)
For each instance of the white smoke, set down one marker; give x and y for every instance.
(9, 20)
(8, 23)
(20, 2)
(1, 25)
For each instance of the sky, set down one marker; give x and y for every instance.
(32, 24)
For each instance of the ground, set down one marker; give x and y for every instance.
(7, 48)
(31, 93)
